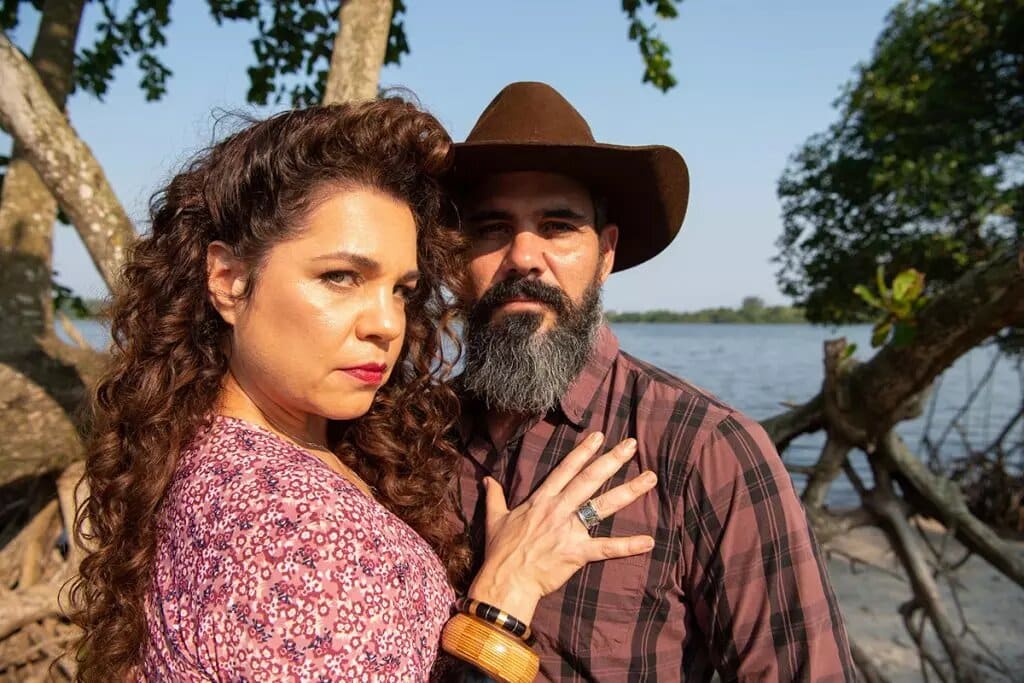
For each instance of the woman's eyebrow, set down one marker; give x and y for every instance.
(366, 264)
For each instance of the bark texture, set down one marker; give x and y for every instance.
(359, 50)
(27, 209)
(63, 161)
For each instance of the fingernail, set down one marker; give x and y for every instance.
(596, 438)
(650, 478)
(649, 543)
(630, 445)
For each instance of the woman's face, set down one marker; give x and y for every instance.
(325, 322)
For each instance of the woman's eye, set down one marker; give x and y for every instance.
(340, 277)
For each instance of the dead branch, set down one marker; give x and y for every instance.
(38, 435)
(36, 533)
(891, 512)
(945, 502)
(869, 672)
(803, 419)
(72, 331)
(72, 492)
(22, 607)
(830, 463)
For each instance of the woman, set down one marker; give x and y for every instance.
(269, 475)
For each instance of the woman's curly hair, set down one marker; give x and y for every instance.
(252, 191)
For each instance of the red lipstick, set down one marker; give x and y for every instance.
(370, 373)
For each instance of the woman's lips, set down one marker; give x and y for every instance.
(370, 373)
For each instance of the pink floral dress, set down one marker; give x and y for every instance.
(271, 567)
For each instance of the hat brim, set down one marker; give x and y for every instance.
(646, 188)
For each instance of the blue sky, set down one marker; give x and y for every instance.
(756, 78)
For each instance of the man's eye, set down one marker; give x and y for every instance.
(489, 230)
(406, 292)
(559, 227)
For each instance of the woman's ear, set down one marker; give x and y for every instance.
(226, 276)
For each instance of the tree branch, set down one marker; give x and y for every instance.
(943, 499)
(804, 419)
(926, 592)
(63, 161)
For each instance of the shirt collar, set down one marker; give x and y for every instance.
(576, 401)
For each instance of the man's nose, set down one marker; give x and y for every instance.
(525, 255)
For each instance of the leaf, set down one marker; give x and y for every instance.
(882, 288)
(908, 285)
(869, 298)
(849, 351)
(880, 333)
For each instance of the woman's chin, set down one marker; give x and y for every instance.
(346, 410)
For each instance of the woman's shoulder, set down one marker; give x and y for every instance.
(235, 472)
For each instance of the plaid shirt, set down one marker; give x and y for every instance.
(735, 582)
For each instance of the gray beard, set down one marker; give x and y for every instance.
(513, 368)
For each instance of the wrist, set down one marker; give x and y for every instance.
(515, 600)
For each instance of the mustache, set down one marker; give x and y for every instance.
(521, 288)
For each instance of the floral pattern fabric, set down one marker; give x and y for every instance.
(271, 567)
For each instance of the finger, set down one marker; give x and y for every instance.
(610, 502)
(570, 466)
(497, 506)
(584, 484)
(621, 546)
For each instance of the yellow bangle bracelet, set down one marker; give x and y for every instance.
(498, 654)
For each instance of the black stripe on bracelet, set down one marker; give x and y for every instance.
(493, 615)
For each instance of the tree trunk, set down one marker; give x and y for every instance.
(63, 161)
(27, 209)
(359, 50)
(985, 300)
(980, 304)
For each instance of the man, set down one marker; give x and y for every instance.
(735, 582)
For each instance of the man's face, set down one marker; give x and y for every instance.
(536, 226)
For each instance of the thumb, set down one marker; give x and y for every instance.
(496, 504)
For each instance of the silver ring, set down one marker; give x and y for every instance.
(588, 516)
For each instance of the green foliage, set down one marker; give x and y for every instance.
(922, 168)
(898, 305)
(751, 311)
(66, 300)
(293, 46)
(655, 53)
(139, 32)
(9, 11)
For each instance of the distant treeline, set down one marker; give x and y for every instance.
(752, 310)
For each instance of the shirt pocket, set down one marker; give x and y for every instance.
(609, 603)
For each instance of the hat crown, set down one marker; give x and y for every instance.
(531, 113)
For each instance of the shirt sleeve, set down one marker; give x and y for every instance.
(755, 577)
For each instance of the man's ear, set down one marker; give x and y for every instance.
(226, 277)
(607, 241)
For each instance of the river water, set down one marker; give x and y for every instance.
(756, 368)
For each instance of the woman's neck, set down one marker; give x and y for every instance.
(246, 403)
(305, 431)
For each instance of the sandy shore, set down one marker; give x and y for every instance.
(871, 595)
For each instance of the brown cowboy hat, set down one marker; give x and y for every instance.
(531, 127)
